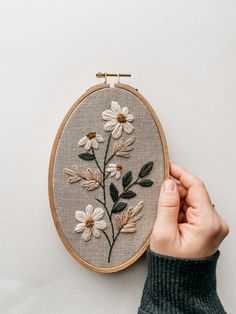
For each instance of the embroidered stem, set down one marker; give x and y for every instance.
(96, 160)
(104, 185)
(110, 158)
(114, 240)
(108, 214)
(104, 232)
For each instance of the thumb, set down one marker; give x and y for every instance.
(168, 205)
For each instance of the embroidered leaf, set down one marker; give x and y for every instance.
(128, 194)
(86, 156)
(114, 192)
(119, 207)
(145, 170)
(145, 182)
(127, 178)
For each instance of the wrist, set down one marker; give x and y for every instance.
(179, 282)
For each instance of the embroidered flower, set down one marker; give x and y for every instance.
(92, 178)
(126, 222)
(117, 120)
(122, 148)
(90, 222)
(115, 170)
(91, 140)
(74, 174)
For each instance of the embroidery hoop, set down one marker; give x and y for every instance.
(52, 163)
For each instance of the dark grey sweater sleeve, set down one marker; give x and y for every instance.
(176, 285)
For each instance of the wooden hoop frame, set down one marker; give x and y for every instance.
(51, 168)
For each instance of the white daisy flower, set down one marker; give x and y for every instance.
(115, 170)
(90, 222)
(91, 140)
(118, 120)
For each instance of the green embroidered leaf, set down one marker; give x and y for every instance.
(128, 194)
(119, 207)
(86, 156)
(145, 170)
(127, 178)
(145, 182)
(114, 192)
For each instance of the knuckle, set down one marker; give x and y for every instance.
(201, 184)
(169, 203)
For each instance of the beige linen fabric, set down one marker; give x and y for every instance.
(71, 197)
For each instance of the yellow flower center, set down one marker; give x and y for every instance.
(91, 134)
(119, 167)
(89, 223)
(121, 117)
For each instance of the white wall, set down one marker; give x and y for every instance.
(182, 57)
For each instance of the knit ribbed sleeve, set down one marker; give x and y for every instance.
(177, 285)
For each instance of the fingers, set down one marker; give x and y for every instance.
(182, 190)
(168, 205)
(185, 177)
(193, 188)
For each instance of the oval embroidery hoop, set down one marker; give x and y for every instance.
(85, 224)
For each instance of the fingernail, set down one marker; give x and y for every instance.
(168, 186)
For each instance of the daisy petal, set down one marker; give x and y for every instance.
(115, 107)
(108, 114)
(118, 174)
(129, 117)
(87, 234)
(80, 216)
(98, 213)
(83, 141)
(109, 169)
(89, 210)
(101, 224)
(128, 127)
(80, 227)
(125, 111)
(110, 125)
(113, 173)
(99, 138)
(88, 144)
(94, 143)
(112, 165)
(96, 232)
(116, 133)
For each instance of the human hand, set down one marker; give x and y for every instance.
(187, 224)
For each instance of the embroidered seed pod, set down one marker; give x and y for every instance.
(111, 148)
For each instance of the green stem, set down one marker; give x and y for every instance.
(111, 247)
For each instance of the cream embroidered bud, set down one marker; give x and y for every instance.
(123, 148)
(74, 174)
(118, 120)
(90, 222)
(92, 178)
(91, 140)
(126, 222)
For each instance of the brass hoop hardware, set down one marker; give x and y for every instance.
(106, 75)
